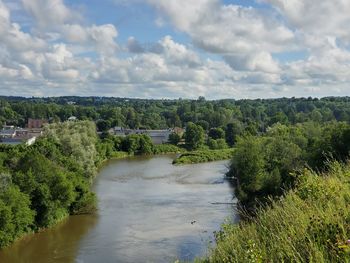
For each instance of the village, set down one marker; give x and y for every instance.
(12, 135)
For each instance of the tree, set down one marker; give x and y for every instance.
(174, 138)
(194, 136)
(217, 144)
(233, 130)
(16, 217)
(216, 133)
(145, 144)
(131, 143)
(204, 124)
(103, 125)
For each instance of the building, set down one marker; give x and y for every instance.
(8, 133)
(36, 123)
(8, 127)
(157, 136)
(17, 135)
(178, 131)
(72, 118)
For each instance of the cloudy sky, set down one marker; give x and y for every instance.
(175, 48)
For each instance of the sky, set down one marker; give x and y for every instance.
(175, 48)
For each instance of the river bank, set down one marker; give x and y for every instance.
(204, 156)
(145, 202)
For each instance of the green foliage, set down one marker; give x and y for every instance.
(232, 131)
(174, 138)
(44, 183)
(254, 115)
(217, 144)
(216, 133)
(103, 125)
(166, 148)
(204, 156)
(194, 136)
(204, 124)
(263, 165)
(78, 141)
(16, 217)
(137, 143)
(310, 224)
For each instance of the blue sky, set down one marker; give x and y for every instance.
(171, 49)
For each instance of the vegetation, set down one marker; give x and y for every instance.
(166, 148)
(116, 146)
(294, 214)
(233, 116)
(311, 223)
(42, 184)
(266, 165)
(203, 156)
(194, 136)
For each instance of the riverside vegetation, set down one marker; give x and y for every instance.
(289, 162)
(42, 184)
(203, 156)
(310, 223)
(294, 181)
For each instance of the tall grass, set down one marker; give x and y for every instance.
(203, 156)
(166, 148)
(311, 223)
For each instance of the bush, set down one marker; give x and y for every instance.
(166, 148)
(310, 224)
(204, 156)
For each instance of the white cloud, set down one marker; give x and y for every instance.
(49, 14)
(232, 52)
(258, 61)
(220, 28)
(54, 18)
(322, 18)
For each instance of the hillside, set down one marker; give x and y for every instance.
(311, 223)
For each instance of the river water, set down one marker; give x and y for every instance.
(149, 211)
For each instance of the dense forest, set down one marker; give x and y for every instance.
(254, 116)
(43, 183)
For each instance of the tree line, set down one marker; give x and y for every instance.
(254, 116)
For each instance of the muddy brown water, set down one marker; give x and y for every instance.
(149, 211)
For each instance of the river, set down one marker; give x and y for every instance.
(149, 211)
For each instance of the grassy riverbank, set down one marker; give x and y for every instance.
(166, 149)
(203, 156)
(310, 224)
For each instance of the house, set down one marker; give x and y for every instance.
(72, 118)
(8, 127)
(18, 140)
(18, 135)
(36, 123)
(178, 131)
(9, 133)
(157, 136)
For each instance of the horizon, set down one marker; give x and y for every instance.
(166, 50)
(170, 99)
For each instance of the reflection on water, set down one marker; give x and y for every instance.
(149, 211)
(57, 244)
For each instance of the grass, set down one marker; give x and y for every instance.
(167, 148)
(120, 155)
(203, 156)
(311, 223)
